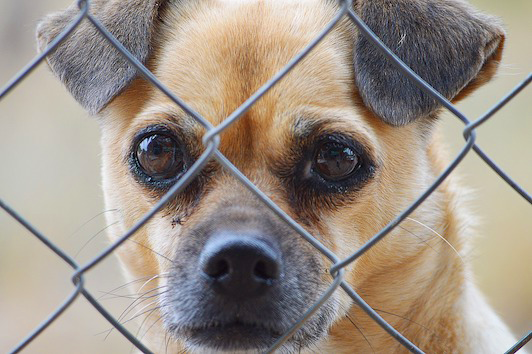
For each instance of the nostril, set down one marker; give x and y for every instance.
(266, 270)
(217, 268)
(239, 266)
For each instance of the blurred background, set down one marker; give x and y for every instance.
(50, 162)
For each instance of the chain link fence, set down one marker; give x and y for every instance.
(211, 141)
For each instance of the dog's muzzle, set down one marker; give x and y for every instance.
(240, 281)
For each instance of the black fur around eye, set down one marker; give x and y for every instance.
(324, 171)
(335, 161)
(325, 165)
(159, 156)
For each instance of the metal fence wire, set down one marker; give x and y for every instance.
(211, 142)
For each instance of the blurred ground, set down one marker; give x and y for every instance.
(50, 174)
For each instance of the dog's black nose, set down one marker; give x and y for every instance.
(240, 266)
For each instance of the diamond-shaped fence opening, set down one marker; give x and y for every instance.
(211, 141)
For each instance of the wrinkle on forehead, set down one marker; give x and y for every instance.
(216, 56)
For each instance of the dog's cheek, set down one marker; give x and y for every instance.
(307, 278)
(125, 204)
(163, 237)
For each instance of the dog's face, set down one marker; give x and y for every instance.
(340, 144)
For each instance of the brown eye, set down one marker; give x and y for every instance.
(335, 161)
(160, 157)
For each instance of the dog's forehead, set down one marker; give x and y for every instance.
(215, 57)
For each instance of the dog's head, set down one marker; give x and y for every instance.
(341, 144)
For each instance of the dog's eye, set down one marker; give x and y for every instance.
(335, 161)
(160, 157)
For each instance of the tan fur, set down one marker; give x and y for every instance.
(412, 278)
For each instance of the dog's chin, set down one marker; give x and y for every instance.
(236, 337)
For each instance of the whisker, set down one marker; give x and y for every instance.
(88, 221)
(112, 295)
(407, 319)
(440, 236)
(131, 306)
(152, 250)
(107, 332)
(156, 276)
(418, 237)
(167, 341)
(92, 238)
(399, 316)
(131, 296)
(127, 284)
(129, 320)
(153, 324)
(142, 324)
(140, 300)
(138, 313)
(362, 333)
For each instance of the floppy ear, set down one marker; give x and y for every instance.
(90, 67)
(446, 42)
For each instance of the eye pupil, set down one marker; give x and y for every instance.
(335, 161)
(159, 156)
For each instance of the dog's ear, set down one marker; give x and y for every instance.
(446, 42)
(90, 67)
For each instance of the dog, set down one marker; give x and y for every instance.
(342, 144)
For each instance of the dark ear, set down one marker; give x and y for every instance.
(446, 42)
(90, 67)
